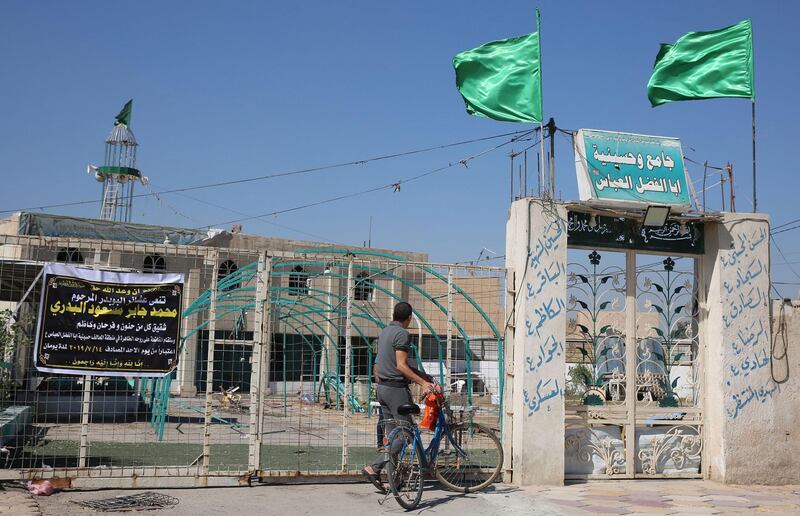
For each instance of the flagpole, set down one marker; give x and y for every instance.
(755, 199)
(542, 173)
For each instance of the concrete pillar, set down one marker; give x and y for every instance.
(749, 417)
(187, 361)
(536, 248)
(786, 369)
(329, 356)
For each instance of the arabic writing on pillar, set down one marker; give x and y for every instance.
(545, 390)
(745, 285)
(550, 349)
(546, 270)
(744, 294)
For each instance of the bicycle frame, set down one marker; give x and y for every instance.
(431, 452)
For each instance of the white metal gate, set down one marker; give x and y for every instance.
(633, 397)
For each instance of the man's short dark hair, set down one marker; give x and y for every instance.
(401, 312)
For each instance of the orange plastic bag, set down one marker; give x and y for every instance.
(431, 414)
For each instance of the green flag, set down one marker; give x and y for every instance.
(124, 116)
(502, 80)
(705, 65)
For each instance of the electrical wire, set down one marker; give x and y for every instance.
(785, 260)
(394, 186)
(515, 154)
(785, 224)
(712, 167)
(785, 230)
(261, 219)
(782, 333)
(283, 174)
(475, 262)
(149, 186)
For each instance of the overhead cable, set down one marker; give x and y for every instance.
(395, 186)
(280, 174)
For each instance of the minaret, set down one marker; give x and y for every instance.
(119, 173)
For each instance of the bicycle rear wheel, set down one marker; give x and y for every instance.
(404, 471)
(470, 459)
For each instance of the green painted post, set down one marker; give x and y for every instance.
(284, 369)
(468, 358)
(314, 375)
(369, 381)
(352, 393)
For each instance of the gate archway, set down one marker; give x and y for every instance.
(608, 370)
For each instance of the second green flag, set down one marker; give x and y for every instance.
(704, 65)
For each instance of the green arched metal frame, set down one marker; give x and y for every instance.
(412, 285)
(233, 297)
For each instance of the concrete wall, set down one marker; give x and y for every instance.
(784, 428)
(536, 248)
(10, 224)
(484, 290)
(751, 420)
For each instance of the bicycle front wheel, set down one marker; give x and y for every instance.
(469, 459)
(404, 470)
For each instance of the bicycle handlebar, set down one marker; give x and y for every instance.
(437, 389)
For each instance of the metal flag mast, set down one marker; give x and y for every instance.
(542, 169)
(753, 111)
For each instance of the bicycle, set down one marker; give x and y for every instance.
(230, 399)
(464, 456)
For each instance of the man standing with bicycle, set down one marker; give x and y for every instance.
(395, 374)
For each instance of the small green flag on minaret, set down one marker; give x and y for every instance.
(124, 116)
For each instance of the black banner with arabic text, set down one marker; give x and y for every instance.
(621, 233)
(108, 323)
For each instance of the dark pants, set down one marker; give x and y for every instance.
(379, 429)
(390, 399)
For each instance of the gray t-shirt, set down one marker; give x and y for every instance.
(392, 338)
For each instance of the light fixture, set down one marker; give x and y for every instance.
(684, 230)
(593, 221)
(655, 216)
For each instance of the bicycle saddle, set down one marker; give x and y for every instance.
(408, 408)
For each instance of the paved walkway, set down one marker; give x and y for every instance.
(635, 497)
(16, 500)
(620, 497)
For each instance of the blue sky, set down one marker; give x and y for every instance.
(240, 89)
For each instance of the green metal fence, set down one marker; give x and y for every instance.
(275, 369)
